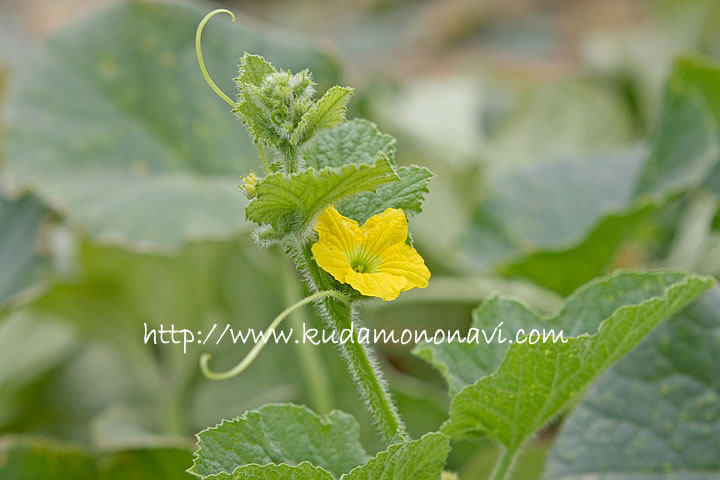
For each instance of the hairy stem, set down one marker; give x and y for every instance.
(366, 373)
(503, 466)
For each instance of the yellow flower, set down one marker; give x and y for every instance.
(374, 259)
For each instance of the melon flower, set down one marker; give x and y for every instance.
(374, 258)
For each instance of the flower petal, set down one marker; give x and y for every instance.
(404, 261)
(336, 231)
(383, 230)
(332, 260)
(382, 285)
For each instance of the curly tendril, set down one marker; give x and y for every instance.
(198, 50)
(255, 351)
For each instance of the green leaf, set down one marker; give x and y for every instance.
(656, 414)
(528, 210)
(686, 143)
(291, 202)
(407, 194)
(357, 141)
(303, 471)
(146, 157)
(22, 264)
(253, 70)
(280, 434)
(25, 458)
(421, 459)
(462, 364)
(536, 381)
(327, 112)
(637, 229)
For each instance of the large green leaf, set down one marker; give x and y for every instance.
(656, 414)
(535, 382)
(136, 149)
(280, 434)
(22, 261)
(421, 459)
(526, 224)
(292, 202)
(529, 210)
(462, 364)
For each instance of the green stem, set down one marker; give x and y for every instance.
(266, 166)
(503, 465)
(366, 374)
(311, 364)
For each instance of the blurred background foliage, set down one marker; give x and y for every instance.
(118, 204)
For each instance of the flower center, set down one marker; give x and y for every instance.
(362, 262)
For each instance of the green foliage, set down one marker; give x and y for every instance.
(288, 441)
(113, 130)
(350, 165)
(535, 382)
(421, 459)
(135, 150)
(290, 203)
(280, 434)
(328, 112)
(532, 383)
(279, 110)
(656, 413)
(407, 194)
(302, 471)
(356, 141)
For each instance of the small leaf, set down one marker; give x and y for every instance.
(328, 112)
(292, 202)
(280, 434)
(253, 110)
(421, 459)
(407, 194)
(253, 70)
(656, 414)
(536, 381)
(357, 141)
